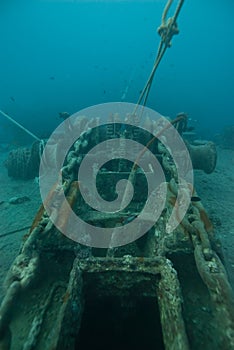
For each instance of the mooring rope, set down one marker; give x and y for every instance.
(19, 125)
(167, 29)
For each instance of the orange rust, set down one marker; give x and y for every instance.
(64, 211)
(37, 218)
(141, 259)
(66, 297)
(41, 210)
(205, 219)
(191, 188)
(172, 201)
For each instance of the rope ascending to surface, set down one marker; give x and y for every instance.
(167, 29)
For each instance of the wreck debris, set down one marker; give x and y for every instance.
(23, 163)
(19, 200)
(203, 155)
(55, 279)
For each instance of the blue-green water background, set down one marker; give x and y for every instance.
(67, 55)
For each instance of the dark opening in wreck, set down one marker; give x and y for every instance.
(120, 323)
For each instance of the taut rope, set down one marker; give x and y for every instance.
(167, 29)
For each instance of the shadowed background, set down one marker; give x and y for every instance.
(67, 55)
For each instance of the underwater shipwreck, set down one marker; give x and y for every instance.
(162, 290)
(165, 289)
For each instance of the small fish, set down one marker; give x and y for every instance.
(64, 115)
(12, 99)
(126, 220)
(19, 200)
(195, 199)
(52, 78)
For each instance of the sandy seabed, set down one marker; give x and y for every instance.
(216, 191)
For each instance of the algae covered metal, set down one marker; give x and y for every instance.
(167, 289)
